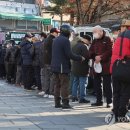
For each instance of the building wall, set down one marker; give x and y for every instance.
(6, 24)
(17, 7)
(27, 8)
(23, 1)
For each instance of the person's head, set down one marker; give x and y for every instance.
(12, 41)
(28, 37)
(35, 39)
(8, 45)
(116, 29)
(98, 32)
(43, 36)
(125, 25)
(54, 32)
(86, 39)
(66, 30)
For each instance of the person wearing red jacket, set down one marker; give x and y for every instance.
(101, 51)
(121, 90)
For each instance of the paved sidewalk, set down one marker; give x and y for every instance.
(21, 110)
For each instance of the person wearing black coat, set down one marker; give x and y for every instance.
(10, 63)
(19, 66)
(2, 63)
(27, 61)
(80, 69)
(48, 77)
(36, 63)
(61, 66)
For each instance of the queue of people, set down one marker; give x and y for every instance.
(57, 68)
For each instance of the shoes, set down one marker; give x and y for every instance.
(42, 93)
(66, 104)
(84, 101)
(97, 104)
(51, 96)
(34, 87)
(74, 99)
(58, 102)
(109, 105)
(46, 96)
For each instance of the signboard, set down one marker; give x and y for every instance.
(47, 21)
(18, 35)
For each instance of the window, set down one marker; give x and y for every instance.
(90, 34)
(81, 34)
(32, 25)
(21, 24)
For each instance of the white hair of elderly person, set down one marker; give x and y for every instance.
(98, 32)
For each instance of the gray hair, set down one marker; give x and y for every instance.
(98, 27)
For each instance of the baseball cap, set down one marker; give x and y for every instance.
(54, 30)
(88, 37)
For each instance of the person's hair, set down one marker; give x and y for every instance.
(42, 34)
(88, 37)
(98, 27)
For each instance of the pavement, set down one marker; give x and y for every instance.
(22, 110)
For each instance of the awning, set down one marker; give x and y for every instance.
(20, 17)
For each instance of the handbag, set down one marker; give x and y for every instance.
(121, 67)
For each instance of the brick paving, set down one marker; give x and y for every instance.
(22, 110)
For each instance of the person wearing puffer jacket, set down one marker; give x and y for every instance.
(27, 61)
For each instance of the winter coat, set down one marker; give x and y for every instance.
(80, 69)
(26, 53)
(18, 56)
(2, 54)
(102, 47)
(61, 55)
(36, 53)
(10, 55)
(125, 48)
(41, 55)
(48, 49)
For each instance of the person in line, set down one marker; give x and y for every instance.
(80, 70)
(101, 51)
(48, 84)
(61, 66)
(11, 62)
(42, 38)
(19, 66)
(27, 61)
(121, 90)
(2, 63)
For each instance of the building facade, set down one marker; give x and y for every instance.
(19, 16)
(50, 19)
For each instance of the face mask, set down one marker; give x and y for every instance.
(96, 36)
(41, 39)
(30, 39)
(115, 36)
(71, 38)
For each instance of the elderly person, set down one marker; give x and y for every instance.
(101, 51)
(121, 90)
(80, 69)
(27, 61)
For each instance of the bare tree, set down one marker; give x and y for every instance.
(88, 11)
